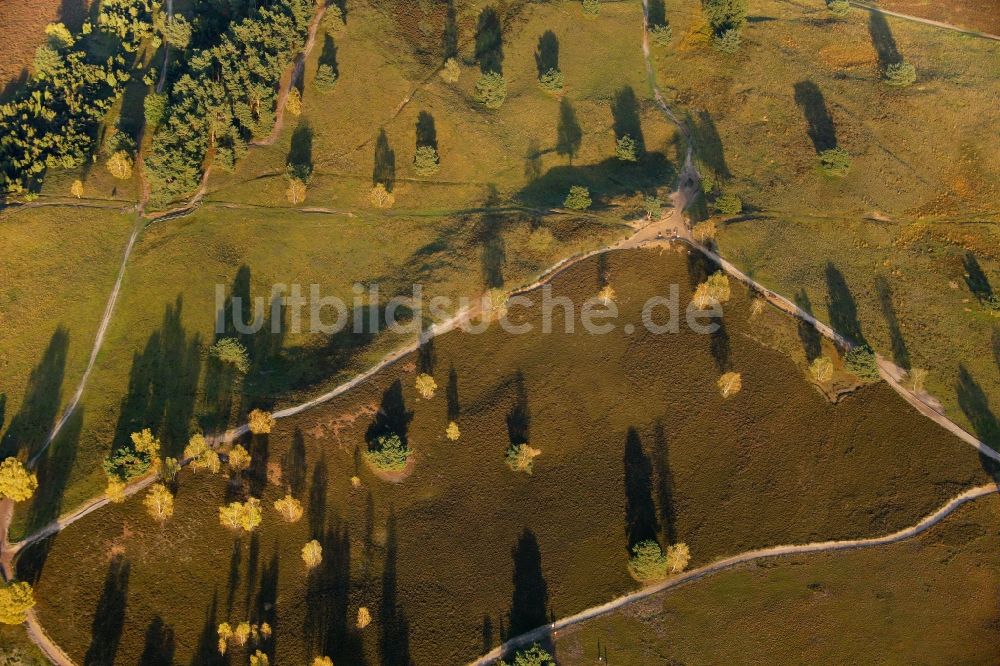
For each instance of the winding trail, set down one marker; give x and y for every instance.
(727, 563)
(925, 21)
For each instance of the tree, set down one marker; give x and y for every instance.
(364, 617)
(115, 492)
(835, 161)
(653, 207)
(244, 516)
(607, 294)
(917, 377)
(169, 470)
(388, 453)
(312, 554)
(452, 432)
(521, 457)
(225, 632)
(426, 386)
(862, 363)
(426, 161)
(491, 90)
(293, 103)
(729, 205)
(451, 71)
(662, 34)
(718, 286)
(725, 15)
(289, 508)
(591, 7)
(295, 193)
(730, 384)
(120, 165)
(59, 36)
(678, 556)
(626, 148)
(900, 74)
(578, 198)
(704, 230)
(839, 8)
(552, 80)
(648, 561)
(325, 78)
(16, 483)
(381, 197)
(239, 459)
(16, 599)
(159, 503)
(702, 298)
(533, 656)
(76, 189)
(260, 422)
(258, 658)
(334, 19)
(201, 455)
(322, 661)
(230, 351)
(821, 369)
(177, 32)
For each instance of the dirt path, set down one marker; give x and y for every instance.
(925, 21)
(728, 563)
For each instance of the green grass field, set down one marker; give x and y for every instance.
(856, 607)
(635, 441)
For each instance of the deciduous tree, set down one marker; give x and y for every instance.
(16, 482)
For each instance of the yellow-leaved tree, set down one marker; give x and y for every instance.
(115, 491)
(260, 422)
(289, 508)
(159, 502)
(258, 658)
(244, 516)
(120, 165)
(453, 433)
(239, 459)
(76, 189)
(16, 482)
(730, 384)
(201, 455)
(426, 386)
(312, 554)
(322, 661)
(16, 599)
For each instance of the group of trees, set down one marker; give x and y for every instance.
(226, 96)
(17, 484)
(726, 19)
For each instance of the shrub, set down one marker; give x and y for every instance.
(453, 433)
(16, 483)
(295, 193)
(154, 108)
(334, 21)
(388, 453)
(76, 189)
(729, 204)
(533, 656)
(259, 658)
(230, 351)
(59, 36)
(626, 149)
(992, 303)
(325, 78)
(725, 15)
(730, 384)
(839, 8)
(661, 34)
(648, 561)
(727, 41)
(16, 599)
(426, 161)
(426, 386)
(491, 90)
(653, 207)
(704, 231)
(120, 165)
(260, 422)
(312, 554)
(552, 80)
(521, 457)
(835, 162)
(861, 362)
(578, 198)
(381, 197)
(821, 369)
(591, 7)
(900, 74)
(293, 103)
(451, 71)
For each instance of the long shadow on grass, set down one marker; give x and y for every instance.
(996, 346)
(720, 347)
(657, 13)
(384, 172)
(625, 115)
(489, 235)
(206, 652)
(426, 131)
(30, 427)
(449, 38)
(265, 605)
(569, 134)
(519, 416)
(664, 482)
(455, 407)
(976, 278)
(708, 143)
(699, 267)
(640, 511)
(606, 180)
(109, 617)
(300, 153)
(316, 510)
(293, 465)
(392, 417)
(819, 123)
(395, 639)
(808, 335)
(328, 629)
(489, 42)
(900, 353)
(842, 306)
(882, 40)
(159, 647)
(256, 475)
(530, 601)
(975, 405)
(328, 56)
(547, 53)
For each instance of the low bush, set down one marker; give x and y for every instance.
(900, 74)
(578, 198)
(835, 162)
(552, 80)
(491, 90)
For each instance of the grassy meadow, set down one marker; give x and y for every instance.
(636, 442)
(856, 607)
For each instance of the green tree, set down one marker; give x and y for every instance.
(388, 453)
(591, 7)
(661, 34)
(552, 80)
(325, 78)
(154, 107)
(426, 161)
(578, 198)
(230, 351)
(626, 148)
(835, 162)
(491, 90)
(728, 41)
(653, 207)
(862, 363)
(729, 205)
(839, 8)
(900, 74)
(177, 32)
(533, 656)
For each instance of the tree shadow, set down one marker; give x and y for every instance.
(300, 154)
(569, 134)
(547, 52)
(449, 38)
(842, 306)
(719, 346)
(328, 56)
(489, 42)
(640, 512)
(530, 600)
(395, 639)
(29, 429)
(606, 181)
(3, 410)
(426, 131)
(819, 124)
(426, 358)
(253, 560)
(975, 278)
(159, 647)
(812, 342)
(316, 510)
(109, 617)
(699, 267)
(664, 483)
(256, 475)
(293, 465)
(996, 346)
(656, 13)
(489, 234)
(625, 113)
(451, 393)
(233, 581)
(709, 143)
(519, 416)
(882, 40)
(900, 353)
(265, 605)
(206, 651)
(533, 160)
(392, 417)
(327, 628)
(973, 401)
(385, 162)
